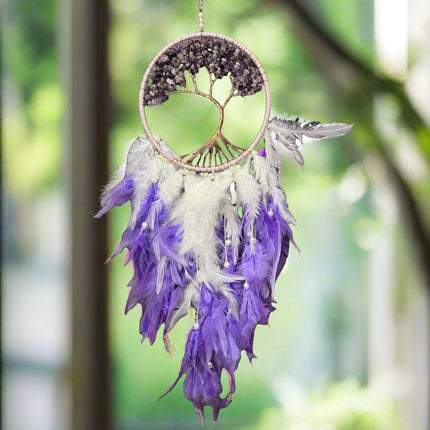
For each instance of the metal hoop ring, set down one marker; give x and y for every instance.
(260, 133)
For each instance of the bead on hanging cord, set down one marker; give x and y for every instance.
(201, 15)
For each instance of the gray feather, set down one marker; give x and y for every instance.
(296, 129)
(285, 134)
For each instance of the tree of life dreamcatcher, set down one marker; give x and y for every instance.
(211, 244)
(221, 56)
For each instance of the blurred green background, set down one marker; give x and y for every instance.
(348, 347)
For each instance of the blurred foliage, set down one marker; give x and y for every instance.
(29, 45)
(32, 139)
(33, 98)
(343, 406)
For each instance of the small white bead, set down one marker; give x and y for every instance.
(144, 225)
(249, 234)
(228, 242)
(226, 264)
(196, 325)
(246, 285)
(270, 212)
(210, 365)
(200, 14)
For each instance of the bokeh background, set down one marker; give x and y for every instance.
(348, 347)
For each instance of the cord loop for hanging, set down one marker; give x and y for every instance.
(201, 23)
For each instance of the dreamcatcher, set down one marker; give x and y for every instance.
(210, 230)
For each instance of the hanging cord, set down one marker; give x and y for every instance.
(201, 15)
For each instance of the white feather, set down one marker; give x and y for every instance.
(171, 183)
(138, 153)
(232, 226)
(198, 210)
(264, 174)
(280, 200)
(134, 161)
(248, 190)
(271, 155)
(153, 168)
(142, 181)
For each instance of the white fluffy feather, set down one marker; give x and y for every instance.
(138, 154)
(144, 165)
(134, 162)
(264, 174)
(280, 200)
(171, 183)
(248, 190)
(153, 168)
(198, 210)
(232, 226)
(271, 155)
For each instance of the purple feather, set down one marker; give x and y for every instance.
(117, 196)
(275, 235)
(213, 345)
(152, 242)
(258, 265)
